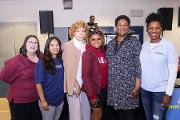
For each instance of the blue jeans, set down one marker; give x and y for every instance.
(152, 104)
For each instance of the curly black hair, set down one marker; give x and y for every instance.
(153, 17)
(122, 17)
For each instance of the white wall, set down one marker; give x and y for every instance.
(104, 10)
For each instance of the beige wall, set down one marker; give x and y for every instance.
(11, 38)
(104, 10)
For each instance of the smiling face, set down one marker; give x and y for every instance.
(31, 45)
(154, 31)
(96, 41)
(122, 27)
(80, 33)
(54, 47)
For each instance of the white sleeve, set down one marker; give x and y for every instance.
(173, 68)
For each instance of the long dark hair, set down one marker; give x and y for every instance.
(48, 60)
(23, 49)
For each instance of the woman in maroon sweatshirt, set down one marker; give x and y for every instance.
(94, 73)
(18, 72)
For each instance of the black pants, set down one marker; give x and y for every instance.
(25, 111)
(126, 115)
(178, 75)
(120, 114)
(103, 98)
(133, 114)
(65, 110)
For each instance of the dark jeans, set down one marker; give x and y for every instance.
(152, 105)
(25, 111)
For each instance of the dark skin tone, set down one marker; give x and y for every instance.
(96, 41)
(154, 31)
(122, 28)
(135, 91)
(166, 101)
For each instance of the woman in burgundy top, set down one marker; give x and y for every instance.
(94, 73)
(18, 72)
